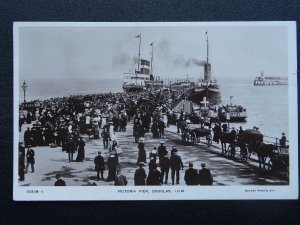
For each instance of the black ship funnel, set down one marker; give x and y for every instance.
(207, 72)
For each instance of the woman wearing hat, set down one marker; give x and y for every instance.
(80, 149)
(140, 175)
(112, 167)
(153, 154)
(142, 151)
(154, 176)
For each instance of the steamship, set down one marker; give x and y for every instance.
(206, 87)
(142, 78)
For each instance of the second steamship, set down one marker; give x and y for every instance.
(206, 87)
(143, 77)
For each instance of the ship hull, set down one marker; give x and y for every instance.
(234, 116)
(133, 88)
(233, 119)
(212, 95)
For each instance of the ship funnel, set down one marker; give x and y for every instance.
(207, 72)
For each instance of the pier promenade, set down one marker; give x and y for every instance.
(50, 161)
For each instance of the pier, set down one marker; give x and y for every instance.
(262, 81)
(50, 161)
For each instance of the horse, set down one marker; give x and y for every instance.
(225, 138)
(263, 151)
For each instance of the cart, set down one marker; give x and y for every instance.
(194, 132)
(279, 162)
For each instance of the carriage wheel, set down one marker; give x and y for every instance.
(270, 165)
(244, 154)
(230, 150)
(209, 140)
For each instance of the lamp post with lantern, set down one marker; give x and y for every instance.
(24, 87)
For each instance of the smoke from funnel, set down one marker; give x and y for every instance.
(121, 59)
(181, 61)
(194, 62)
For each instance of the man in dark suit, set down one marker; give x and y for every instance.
(30, 159)
(21, 162)
(164, 163)
(27, 137)
(59, 182)
(176, 164)
(191, 176)
(99, 165)
(162, 151)
(70, 148)
(205, 177)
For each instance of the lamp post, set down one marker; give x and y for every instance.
(24, 87)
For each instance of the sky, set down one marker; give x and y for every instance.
(97, 52)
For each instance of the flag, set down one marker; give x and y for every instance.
(151, 44)
(138, 36)
(206, 32)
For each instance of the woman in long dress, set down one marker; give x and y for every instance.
(142, 152)
(80, 154)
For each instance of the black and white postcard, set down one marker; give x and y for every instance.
(155, 111)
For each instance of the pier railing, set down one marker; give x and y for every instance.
(273, 140)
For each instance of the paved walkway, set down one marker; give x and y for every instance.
(50, 161)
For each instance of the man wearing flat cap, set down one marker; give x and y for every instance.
(191, 176)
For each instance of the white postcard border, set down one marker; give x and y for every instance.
(41, 193)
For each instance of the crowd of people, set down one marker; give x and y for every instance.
(62, 122)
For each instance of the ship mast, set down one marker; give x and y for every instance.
(207, 50)
(139, 55)
(151, 58)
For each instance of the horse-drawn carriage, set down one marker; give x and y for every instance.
(194, 132)
(250, 142)
(245, 143)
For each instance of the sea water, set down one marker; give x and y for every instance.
(267, 106)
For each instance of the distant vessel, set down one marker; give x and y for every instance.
(142, 78)
(262, 81)
(232, 113)
(207, 87)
